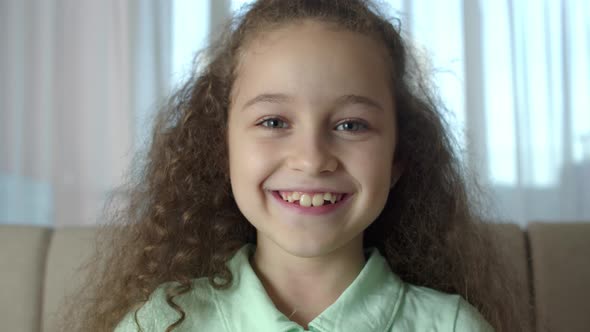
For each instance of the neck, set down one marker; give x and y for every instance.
(303, 287)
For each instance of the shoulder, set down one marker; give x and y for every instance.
(156, 314)
(426, 309)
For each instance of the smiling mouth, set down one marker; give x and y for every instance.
(310, 200)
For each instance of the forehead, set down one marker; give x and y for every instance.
(312, 60)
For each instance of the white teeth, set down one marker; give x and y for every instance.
(305, 200)
(308, 200)
(318, 200)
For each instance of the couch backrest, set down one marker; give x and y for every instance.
(37, 267)
(22, 271)
(512, 242)
(37, 270)
(560, 258)
(68, 249)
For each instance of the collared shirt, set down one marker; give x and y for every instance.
(377, 300)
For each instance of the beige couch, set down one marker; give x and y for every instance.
(37, 264)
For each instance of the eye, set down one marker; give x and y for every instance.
(272, 123)
(352, 125)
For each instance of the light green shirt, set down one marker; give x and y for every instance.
(377, 300)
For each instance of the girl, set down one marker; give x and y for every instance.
(303, 180)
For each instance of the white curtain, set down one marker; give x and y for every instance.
(516, 76)
(76, 77)
(79, 80)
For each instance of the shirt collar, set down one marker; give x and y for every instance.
(368, 304)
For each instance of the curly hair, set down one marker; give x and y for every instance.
(178, 220)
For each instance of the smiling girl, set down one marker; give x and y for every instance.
(303, 180)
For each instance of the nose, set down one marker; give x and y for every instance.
(312, 154)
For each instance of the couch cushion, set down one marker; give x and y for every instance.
(22, 266)
(68, 250)
(561, 275)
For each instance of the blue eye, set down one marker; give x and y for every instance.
(273, 123)
(351, 126)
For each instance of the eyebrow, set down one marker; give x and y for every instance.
(281, 98)
(358, 100)
(273, 98)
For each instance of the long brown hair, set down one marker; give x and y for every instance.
(180, 222)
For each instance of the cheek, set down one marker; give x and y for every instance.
(373, 160)
(250, 162)
(372, 168)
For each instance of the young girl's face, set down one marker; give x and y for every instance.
(312, 113)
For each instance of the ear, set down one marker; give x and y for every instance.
(397, 170)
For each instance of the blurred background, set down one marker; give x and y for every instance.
(80, 81)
